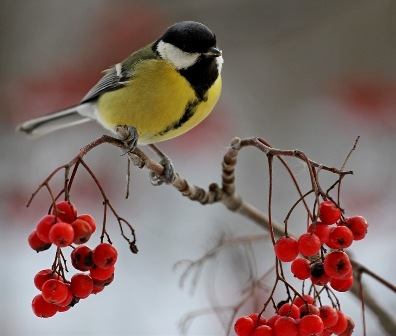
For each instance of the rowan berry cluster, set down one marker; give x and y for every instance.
(301, 317)
(64, 227)
(316, 255)
(315, 263)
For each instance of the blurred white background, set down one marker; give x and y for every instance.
(311, 75)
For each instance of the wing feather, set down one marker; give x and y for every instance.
(114, 78)
(118, 75)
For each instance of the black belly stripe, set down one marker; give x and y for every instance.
(188, 113)
(201, 77)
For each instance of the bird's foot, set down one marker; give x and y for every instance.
(168, 175)
(128, 135)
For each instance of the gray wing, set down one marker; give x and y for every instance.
(118, 75)
(114, 78)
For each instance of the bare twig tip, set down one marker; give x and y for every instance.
(236, 143)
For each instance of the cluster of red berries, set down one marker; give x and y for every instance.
(337, 234)
(300, 318)
(64, 228)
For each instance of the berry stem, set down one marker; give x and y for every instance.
(59, 264)
(271, 228)
(107, 203)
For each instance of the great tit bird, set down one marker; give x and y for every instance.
(159, 92)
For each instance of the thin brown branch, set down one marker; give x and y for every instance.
(361, 269)
(385, 318)
(196, 265)
(350, 153)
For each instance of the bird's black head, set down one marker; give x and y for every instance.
(190, 36)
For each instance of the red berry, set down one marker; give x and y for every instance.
(101, 273)
(256, 320)
(348, 275)
(308, 309)
(341, 324)
(61, 234)
(244, 326)
(309, 244)
(342, 285)
(69, 298)
(97, 289)
(321, 230)
(286, 249)
(54, 291)
(262, 330)
(358, 225)
(289, 309)
(330, 244)
(81, 285)
(271, 321)
(82, 231)
(104, 255)
(328, 315)
(36, 243)
(350, 327)
(298, 301)
(43, 276)
(337, 264)
(42, 308)
(310, 325)
(285, 326)
(341, 237)
(105, 282)
(301, 268)
(44, 226)
(322, 280)
(66, 211)
(90, 220)
(81, 258)
(63, 308)
(318, 274)
(328, 212)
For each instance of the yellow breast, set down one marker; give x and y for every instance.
(155, 101)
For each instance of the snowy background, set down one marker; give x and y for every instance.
(311, 75)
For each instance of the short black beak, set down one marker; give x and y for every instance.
(213, 52)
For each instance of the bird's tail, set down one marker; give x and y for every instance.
(54, 121)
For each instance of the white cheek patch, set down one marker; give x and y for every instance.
(219, 61)
(179, 58)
